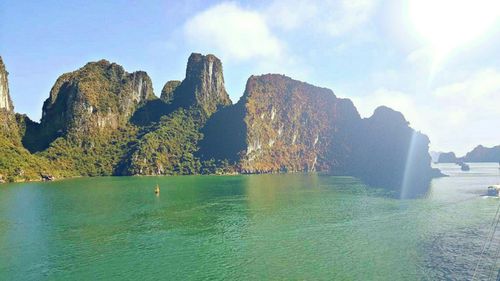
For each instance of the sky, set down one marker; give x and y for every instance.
(436, 61)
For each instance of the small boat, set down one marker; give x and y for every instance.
(157, 190)
(493, 190)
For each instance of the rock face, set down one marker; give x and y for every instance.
(8, 124)
(389, 153)
(167, 93)
(203, 86)
(285, 125)
(281, 124)
(5, 101)
(16, 163)
(98, 97)
(102, 120)
(447, 157)
(483, 154)
(169, 147)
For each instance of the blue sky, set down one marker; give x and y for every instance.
(436, 61)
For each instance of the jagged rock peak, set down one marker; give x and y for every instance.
(5, 101)
(8, 125)
(199, 65)
(204, 84)
(281, 124)
(167, 93)
(447, 157)
(389, 116)
(283, 81)
(99, 95)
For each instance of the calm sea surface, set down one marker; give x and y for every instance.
(259, 227)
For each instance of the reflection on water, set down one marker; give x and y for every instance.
(253, 227)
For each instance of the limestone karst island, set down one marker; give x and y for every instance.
(101, 120)
(233, 140)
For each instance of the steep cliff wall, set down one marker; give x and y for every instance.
(101, 120)
(16, 163)
(281, 124)
(8, 125)
(98, 97)
(5, 101)
(203, 86)
(169, 147)
(94, 100)
(85, 121)
(389, 153)
(167, 93)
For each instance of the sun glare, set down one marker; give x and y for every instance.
(445, 25)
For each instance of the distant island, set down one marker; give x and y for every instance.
(101, 120)
(447, 157)
(478, 154)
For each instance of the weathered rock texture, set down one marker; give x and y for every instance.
(102, 120)
(94, 100)
(169, 147)
(8, 124)
(387, 152)
(5, 101)
(16, 163)
(287, 126)
(167, 93)
(281, 124)
(203, 86)
(98, 97)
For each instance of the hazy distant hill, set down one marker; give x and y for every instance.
(483, 154)
(447, 157)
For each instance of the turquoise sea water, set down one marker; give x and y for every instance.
(258, 227)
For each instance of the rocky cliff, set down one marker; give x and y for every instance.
(16, 163)
(281, 124)
(167, 93)
(94, 100)
(388, 153)
(102, 120)
(483, 154)
(98, 97)
(285, 125)
(202, 90)
(170, 145)
(8, 125)
(85, 124)
(5, 101)
(203, 86)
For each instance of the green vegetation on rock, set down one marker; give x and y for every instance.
(168, 148)
(101, 120)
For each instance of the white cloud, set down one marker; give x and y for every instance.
(473, 100)
(233, 32)
(332, 17)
